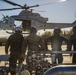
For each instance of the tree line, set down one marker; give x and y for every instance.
(44, 35)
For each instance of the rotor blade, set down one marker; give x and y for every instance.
(37, 10)
(12, 3)
(23, 7)
(32, 6)
(53, 2)
(9, 9)
(15, 8)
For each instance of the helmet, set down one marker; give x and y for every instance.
(57, 30)
(74, 29)
(33, 29)
(18, 29)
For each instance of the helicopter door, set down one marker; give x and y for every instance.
(26, 24)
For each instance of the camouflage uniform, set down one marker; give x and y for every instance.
(73, 43)
(15, 43)
(56, 43)
(34, 43)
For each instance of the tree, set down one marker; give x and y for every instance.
(46, 34)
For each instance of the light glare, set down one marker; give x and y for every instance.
(62, 0)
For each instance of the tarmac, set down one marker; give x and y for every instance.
(66, 59)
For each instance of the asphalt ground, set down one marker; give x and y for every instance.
(66, 59)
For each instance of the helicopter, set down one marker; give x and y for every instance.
(27, 19)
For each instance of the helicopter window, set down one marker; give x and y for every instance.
(5, 19)
(17, 23)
